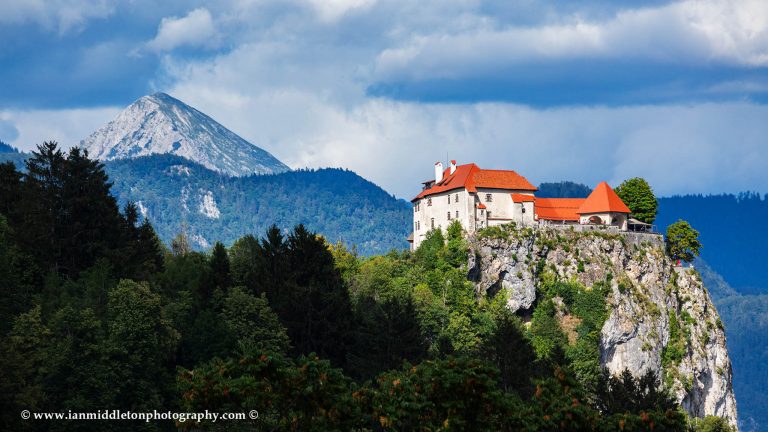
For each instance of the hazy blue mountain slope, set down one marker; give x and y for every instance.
(339, 204)
(160, 124)
(746, 327)
(12, 154)
(563, 189)
(731, 231)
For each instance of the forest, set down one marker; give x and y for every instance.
(97, 313)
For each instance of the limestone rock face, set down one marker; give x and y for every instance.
(654, 306)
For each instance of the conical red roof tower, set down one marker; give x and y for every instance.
(603, 200)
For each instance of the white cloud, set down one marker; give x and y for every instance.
(332, 10)
(680, 149)
(303, 99)
(722, 31)
(59, 15)
(296, 86)
(66, 126)
(196, 29)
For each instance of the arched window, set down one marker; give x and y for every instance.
(596, 220)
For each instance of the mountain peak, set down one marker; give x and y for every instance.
(159, 123)
(160, 96)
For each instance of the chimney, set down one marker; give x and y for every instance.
(438, 172)
(453, 166)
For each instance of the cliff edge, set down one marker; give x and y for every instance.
(659, 316)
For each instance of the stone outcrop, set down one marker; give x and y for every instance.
(661, 317)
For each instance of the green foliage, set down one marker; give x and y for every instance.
(456, 249)
(253, 323)
(627, 394)
(220, 267)
(388, 333)
(546, 334)
(139, 341)
(682, 241)
(66, 219)
(22, 362)
(501, 232)
(638, 196)
(246, 263)
(432, 245)
(450, 394)
(510, 351)
(710, 424)
(19, 277)
(312, 301)
(265, 324)
(306, 395)
(676, 349)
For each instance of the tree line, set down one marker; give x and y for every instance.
(98, 314)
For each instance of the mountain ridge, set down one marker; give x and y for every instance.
(159, 124)
(172, 192)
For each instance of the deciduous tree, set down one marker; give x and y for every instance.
(638, 196)
(682, 241)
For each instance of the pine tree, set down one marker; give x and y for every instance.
(42, 206)
(314, 305)
(386, 334)
(10, 188)
(219, 263)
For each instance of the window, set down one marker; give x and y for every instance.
(488, 197)
(449, 199)
(429, 202)
(482, 212)
(457, 214)
(457, 198)
(449, 215)
(432, 221)
(416, 208)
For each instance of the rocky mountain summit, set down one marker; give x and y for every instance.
(159, 124)
(660, 317)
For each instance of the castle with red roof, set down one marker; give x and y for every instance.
(480, 198)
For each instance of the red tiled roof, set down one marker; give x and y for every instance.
(480, 205)
(471, 177)
(603, 199)
(560, 209)
(522, 198)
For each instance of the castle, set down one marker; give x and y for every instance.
(480, 198)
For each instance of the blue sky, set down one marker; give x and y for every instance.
(586, 90)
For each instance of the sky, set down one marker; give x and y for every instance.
(582, 90)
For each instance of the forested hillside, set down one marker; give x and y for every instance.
(13, 155)
(179, 195)
(97, 313)
(730, 226)
(176, 195)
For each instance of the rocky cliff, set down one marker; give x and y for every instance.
(660, 317)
